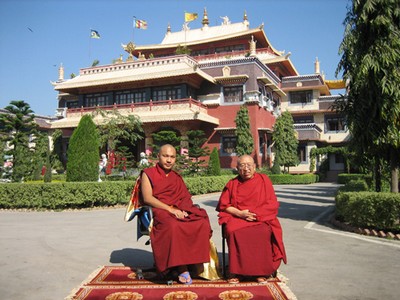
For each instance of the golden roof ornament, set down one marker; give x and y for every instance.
(205, 21)
(130, 47)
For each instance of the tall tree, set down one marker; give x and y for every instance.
(117, 127)
(165, 137)
(196, 139)
(84, 152)
(244, 138)
(17, 127)
(286, 142)
(370, 62)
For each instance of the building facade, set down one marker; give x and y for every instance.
(198, 79)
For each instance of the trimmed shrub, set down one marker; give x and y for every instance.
(214, 166)
(84, 152)
(380, 211)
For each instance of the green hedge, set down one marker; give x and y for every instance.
(205, 185)
(380, 211)
(345, 178)
(64, 195)
(293, 179)
(358, 185)
(71, 195)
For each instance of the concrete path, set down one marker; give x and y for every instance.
(44, 255)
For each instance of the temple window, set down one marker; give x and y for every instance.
(302, 153)
(228, 144)
(73, 104)
(166, 93)
(99, 99)
(126, 97)
(303, 119)
(300, 97)
(335, 123)
(233, 94)
(229, 48)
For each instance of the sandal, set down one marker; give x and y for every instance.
(233, 280)
(262, 280)
(185, 278)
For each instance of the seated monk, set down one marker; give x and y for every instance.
(181, 231)
(248, 207)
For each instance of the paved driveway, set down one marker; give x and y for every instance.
(44, 255)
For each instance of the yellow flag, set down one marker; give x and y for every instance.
(190, 17)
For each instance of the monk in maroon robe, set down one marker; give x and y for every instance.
(181, 231)
(248, 207)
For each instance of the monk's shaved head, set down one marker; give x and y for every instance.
(246, 167)
(167, 157)
(245, 158)
(165, 147)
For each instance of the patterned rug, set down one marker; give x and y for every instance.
(125, 283)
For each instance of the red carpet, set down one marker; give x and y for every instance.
(122, 283)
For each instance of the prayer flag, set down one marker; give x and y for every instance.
(190, 17)
(94, 34)
(141, 24)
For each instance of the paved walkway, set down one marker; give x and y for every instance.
(44, 255)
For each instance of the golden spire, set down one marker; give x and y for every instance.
(205, 21)
(246, 20)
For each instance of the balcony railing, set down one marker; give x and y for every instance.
(308, 131)
(186, 103)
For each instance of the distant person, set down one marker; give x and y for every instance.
(144, 162)
(248, 207)
(181, 232)
(102, 165)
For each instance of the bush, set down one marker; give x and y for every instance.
(354, 186)
(293, 179)
(214, 167)
(345, 178)
(65, 195)
(84, 152)
(380, 211)
(75, 195)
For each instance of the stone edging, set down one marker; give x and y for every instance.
(364, 231)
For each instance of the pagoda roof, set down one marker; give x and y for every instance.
(208, 34)
(137, 71)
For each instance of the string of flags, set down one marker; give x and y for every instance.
(94, 34)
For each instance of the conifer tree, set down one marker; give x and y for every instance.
(285, 140)
(84, 152)
(214, 166)
(244, 139)
(17, 125)
(196, 138)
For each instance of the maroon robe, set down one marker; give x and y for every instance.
(177, 242)
(255, 248)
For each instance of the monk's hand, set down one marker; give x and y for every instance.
(179, 214)
(248, 215)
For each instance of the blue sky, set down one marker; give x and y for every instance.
(36, 36)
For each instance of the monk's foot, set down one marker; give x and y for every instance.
(262, 280)
(233, 280)
(185, 278)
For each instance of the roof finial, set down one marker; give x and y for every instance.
(61, 73)
(205, 21)
(245, 19)
(169, 28)
(316, 66)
